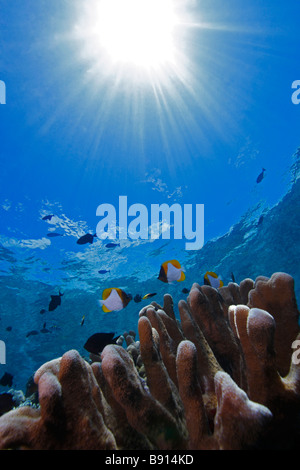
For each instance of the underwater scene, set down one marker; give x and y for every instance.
(149, 225)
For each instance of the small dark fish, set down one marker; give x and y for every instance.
(6, 379)
(232, 277)
(87, 238)
(260, 220)
(32, 333)
(8, 328)
(97, 342)
(260, 176)
(185, 290)
(137, 298)
(7, 402)
(48, 217)
(112, 245)
(147, 296)
(103, 271)
(82, 320)
(42, 311)
(55, 301)
(54, 234)
(44, 329)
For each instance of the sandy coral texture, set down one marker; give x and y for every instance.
(219, 375)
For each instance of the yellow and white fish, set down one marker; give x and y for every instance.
(213, 280)
(171, 271)
(114, 299)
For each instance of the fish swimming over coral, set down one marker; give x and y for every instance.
(147, 296)
(6, 379)
(114, 299)
(171, 271)
(97, 342)
(55, 302)
(213, 280)
(87, 238)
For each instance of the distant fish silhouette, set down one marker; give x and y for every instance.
(32, 333)
(55, 301)
(185, 290)
(44, 329)
(48, 217)
(87, 238)
(82, 320)
(137, 298)
(6, 379)
(112, 245)
(97, 342)
(42, 311)
(8, 328)
(54, 234)
(103, 271)
(260, 176)
(232, 277)
(260, 220)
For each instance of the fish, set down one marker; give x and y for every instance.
(32, 333)
(185, 290)
(114, 299)
(213, 280)
(54, 234)
(232, 277)
(43, 311)
(87, 238)
(8, 328)
(55, 301)
(112, 245)
(103, 271)
(82, 320)
(6, 379)
(44, 329)
(171, 271)
(260, 176)
(97, 342)
(147, 296)
(137, 298)
(260, 220)
(48, 217)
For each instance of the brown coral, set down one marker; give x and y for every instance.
(220, 378)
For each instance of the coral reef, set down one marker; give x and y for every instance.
(222, 376)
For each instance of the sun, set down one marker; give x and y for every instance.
(135, 32)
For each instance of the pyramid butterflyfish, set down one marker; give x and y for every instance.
(171, 271)
(114, 299)
(213, 280)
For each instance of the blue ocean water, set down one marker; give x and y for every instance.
(77, 132)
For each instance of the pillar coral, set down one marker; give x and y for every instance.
(217, 379)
